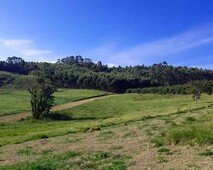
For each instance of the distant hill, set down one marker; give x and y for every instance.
(11, 80)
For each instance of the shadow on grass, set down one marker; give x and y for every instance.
(86, 118)
(57, 116)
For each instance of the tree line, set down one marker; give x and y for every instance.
(79, 72)
(203, 86)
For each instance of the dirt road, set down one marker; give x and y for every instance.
(19, 116)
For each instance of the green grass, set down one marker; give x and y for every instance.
(162, 159)
(26, 151)
(165, 151)
(198, 131)
(134, 106)
(207, 152)
(75, 160)
(158, 141)
(103, 112)
(190, 119)
(15, 101)
(70, 95)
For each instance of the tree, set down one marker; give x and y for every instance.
(15, 65)
(196, 96)
(196, 90)
(207, 87)
(41, 89)
(14, 60)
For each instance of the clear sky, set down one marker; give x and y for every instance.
(117, 32)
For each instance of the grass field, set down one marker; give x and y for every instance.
(169, 141)
(112, 110)
(128, 107)
(137, 131)
(193, 130)
(15, 101)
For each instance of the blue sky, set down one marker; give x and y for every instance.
(117, 32)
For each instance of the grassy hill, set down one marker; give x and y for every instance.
(10, 80)
(16, 101)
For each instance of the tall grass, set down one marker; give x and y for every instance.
(199, 131)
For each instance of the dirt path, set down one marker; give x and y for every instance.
(19, 116)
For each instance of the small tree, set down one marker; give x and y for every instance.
(196, 96)
(41, 89)
(199, 87)
(196, 90)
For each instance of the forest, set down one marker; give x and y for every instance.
(79, 72)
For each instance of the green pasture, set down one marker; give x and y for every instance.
(107, 111)
(135, 106)
(15, 101)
